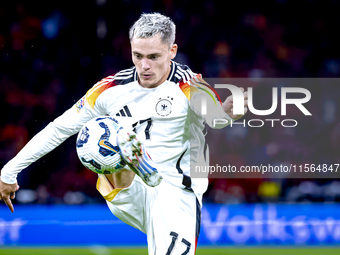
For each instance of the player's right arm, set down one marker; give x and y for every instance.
(69, 123)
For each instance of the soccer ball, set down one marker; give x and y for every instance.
(97, 146)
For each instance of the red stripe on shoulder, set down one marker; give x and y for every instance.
(185, 87)
(98, 88)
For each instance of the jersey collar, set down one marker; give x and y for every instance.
(172, 71)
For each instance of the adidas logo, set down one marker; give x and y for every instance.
(124, 112)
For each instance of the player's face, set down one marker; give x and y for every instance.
(152, 60)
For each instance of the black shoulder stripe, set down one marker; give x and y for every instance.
(182, 73)
(125, 76)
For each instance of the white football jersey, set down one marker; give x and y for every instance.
(167, 118)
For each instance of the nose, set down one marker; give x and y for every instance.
(145, 64)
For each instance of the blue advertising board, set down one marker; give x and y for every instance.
(271, 224)
(66, 225)
(244, 224)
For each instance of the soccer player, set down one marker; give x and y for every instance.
(161, 101)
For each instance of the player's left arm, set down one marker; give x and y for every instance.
(206, 103)
(227, 105)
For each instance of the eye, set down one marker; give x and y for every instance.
(153, 57)
(137, 56)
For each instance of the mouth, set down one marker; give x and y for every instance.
(146, 76)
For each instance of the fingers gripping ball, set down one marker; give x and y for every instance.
(97, 146)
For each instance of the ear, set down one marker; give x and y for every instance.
(173, 51)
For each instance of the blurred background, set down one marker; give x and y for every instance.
(52, 53)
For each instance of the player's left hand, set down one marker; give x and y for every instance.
(7, 192)
(228, 105)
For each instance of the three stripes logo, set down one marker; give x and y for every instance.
(124, 112)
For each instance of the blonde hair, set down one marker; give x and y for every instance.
(150, 24)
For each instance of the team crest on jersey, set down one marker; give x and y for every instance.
(163, 106)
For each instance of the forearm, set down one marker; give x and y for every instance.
(218, 121)
(42, 143)
(210, 110)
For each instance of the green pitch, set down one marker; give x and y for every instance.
(140, 251)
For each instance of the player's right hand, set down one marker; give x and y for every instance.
(7, 192)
